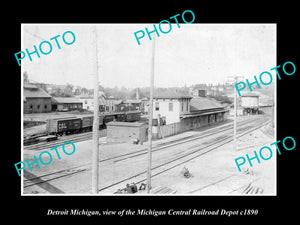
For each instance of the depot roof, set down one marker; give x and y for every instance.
(204, 103)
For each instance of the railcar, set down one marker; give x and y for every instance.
(84, 123)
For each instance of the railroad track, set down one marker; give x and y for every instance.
(178, 160)
(118, 158)
(74, 138)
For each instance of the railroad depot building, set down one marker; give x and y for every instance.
(178, 113)
(35, 99)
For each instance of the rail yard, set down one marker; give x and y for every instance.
(125, 163)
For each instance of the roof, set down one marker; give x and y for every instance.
(204, 113)
(125, 124)
(35, 92)
(250, 94)
(132, 101)
(60, 100)
(30, 86)
(117, 102)
(172, 95)
(204, 103)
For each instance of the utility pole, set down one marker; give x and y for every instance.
(95, 145)
(150, 120)
(235, 78)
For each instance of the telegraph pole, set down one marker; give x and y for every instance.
(235, 111)
(150, 120)
(95, 145)
(235, 78)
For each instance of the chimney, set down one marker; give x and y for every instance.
(201, 93)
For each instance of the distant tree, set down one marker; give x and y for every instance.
(69, 89)
(25, 77)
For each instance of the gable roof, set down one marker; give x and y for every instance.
(204, 103)
(34, 92)
(60, 100)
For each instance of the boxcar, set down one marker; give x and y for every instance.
(63, 125)
(69, 126)
(87, 123)
(132, 116)
(121, 117)
(108, 118)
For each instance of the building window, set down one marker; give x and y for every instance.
(171, 106)
(187, 106)
(156, 106)
(181, 106)
(38, 106)
(45, 106)
(31, 106)
(85, 101)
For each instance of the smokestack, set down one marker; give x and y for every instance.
(137, 94)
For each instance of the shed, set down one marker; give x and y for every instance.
(66, 104)
(127, 131)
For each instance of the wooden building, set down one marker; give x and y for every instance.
(66, 104)
(127, 131)
(35, 100)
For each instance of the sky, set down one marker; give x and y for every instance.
(191, 54)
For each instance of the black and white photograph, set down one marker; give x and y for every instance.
(170, 119)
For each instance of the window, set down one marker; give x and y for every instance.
(171, 106)
(156, 106)
(45, 106)
(38, 106)
(31, 106)
(85, 101)
(181, 106)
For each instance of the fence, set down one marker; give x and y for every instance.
(169, 130)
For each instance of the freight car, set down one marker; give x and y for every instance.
(62, 126)
(250, 103)
(84, 123)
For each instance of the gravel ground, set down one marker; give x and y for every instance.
(216, 173)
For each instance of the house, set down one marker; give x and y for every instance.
(35, 99)
(106, 104)
(66, 104)
(87, 102)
